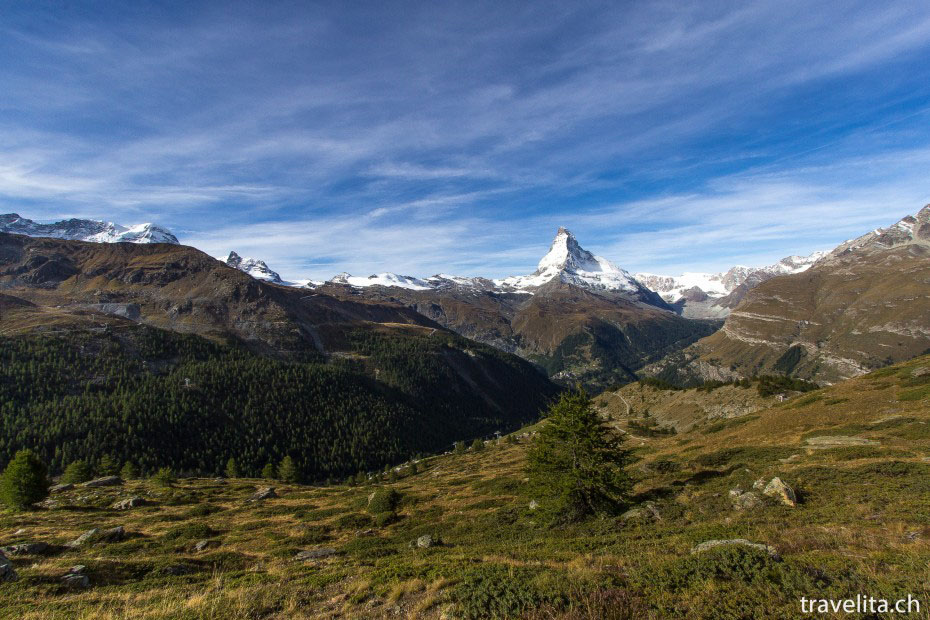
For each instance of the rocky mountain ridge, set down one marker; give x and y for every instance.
(87, 230)
(864, 305)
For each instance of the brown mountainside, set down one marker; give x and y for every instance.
(863, 306)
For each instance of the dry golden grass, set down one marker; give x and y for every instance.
(861, 523)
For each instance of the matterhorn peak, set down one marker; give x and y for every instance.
(566, 253)
(568, 262)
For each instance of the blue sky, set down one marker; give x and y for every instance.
(456, 137)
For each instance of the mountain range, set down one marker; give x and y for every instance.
(714, 295)
(87, 230)
(584, 319)
(862, 306)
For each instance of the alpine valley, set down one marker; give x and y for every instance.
(398, 419)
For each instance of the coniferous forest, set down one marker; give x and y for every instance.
(161, 399)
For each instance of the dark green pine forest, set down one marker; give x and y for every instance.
(162, 399)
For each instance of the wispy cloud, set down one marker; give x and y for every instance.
(347, 137)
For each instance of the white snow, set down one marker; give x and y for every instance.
(717, 285)
(383, 279)
(87, 230)
(569, 262)
(255, 268)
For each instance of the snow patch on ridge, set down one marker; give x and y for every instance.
(87, 230)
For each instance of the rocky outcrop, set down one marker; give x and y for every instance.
(738, 542)
(780, 491)
(106, 481)
(96, 535)
(315, 554)
(129, 502)
(263, 493)
(6, 569)
(34, 548)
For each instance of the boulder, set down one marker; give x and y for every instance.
(203, 545)
(97, 535)
(106, 481)
(315, 554)
(921, 372)
(25, 548)
(839, 441)
(263, 493)
(781, 491)
(6, 569)
(76, 577)
(533, 504)
(425, 542)
(75, 581)
(745, 501)
(129, 502)
(61, 488)
(712, 544)
(646, 512)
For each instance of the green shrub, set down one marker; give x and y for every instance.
(917, 394)
(313, 534)
(232, 468)
(384, 500)
(724, 563)
(189, 531)
(494, 591)
(164, 477)
(287, 471)
(477, 445)
(201, 510)
(269, 471)
(665, 466)
(354, 520)
(76, 472)
(24, 481)
(769, 385)
(129, 471)
(106, 466)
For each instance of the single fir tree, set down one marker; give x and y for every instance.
(477, 445)
(287, 470)
(24, 481)
(459, 447)
(164, 477)
(576, 462)
(129, 471)
(78, 471)
(232, 469)
(269, 471)
(107, 466)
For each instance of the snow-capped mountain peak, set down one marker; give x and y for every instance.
(254, 267)
(712, 289)
(566, 253)
(567, 261)
(87, 230)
